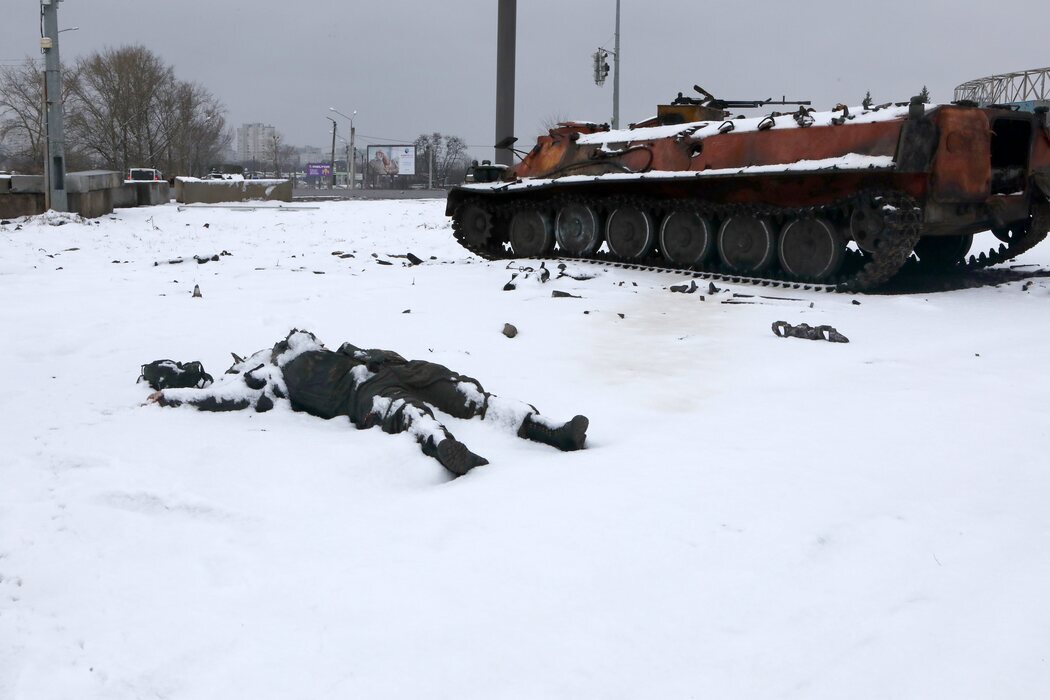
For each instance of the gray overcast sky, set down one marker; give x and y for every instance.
(412, 66)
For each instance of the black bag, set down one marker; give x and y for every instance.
(168, 374)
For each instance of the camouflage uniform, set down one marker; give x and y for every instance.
(373, 387)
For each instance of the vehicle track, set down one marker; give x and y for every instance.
(890, 269)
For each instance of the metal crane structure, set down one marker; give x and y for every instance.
(1027, 89)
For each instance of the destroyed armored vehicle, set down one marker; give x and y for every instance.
(842, 199)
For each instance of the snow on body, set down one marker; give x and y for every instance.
(259, 382)
(264, 365)
(754, 516)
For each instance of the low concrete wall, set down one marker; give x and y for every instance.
(125, 197)
(90, 193)
(141, 194)
(190, 190)
(21, 195)
(91, 180)
(91, 205)
(20, 204)
(30, 184)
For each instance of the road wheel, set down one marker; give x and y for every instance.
(630, 233)
(577, 230)
(746, 243)
(476, 225)
(531, 233)
(685, 238)
(810, 249)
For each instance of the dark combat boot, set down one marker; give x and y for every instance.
(566, 437)
(453, 455)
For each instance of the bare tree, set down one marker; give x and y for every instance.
(288, 157)
(132, 111)
(455, 159)
(448, 154)
(22, 116)
(273, 151)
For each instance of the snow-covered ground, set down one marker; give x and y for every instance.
(755, 517)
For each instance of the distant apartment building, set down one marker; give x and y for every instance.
(313, 154)
(255, 143)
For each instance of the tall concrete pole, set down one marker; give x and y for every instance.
(353, 156)
(616, 72)
(505, 50)
(353, 152)
(54, 148)
(332, 185)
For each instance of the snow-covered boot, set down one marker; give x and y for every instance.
(566, 437)
(453, 455)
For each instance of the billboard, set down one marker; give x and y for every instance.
(392, 160)
(318, 170)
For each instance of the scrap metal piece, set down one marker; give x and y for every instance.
(783, 329)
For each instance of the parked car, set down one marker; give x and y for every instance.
(143, 175)
(223, 176)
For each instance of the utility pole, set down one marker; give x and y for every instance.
(351, 116)
(54, 144)
(332, 169)
(616, 72)
(506, 31)
(430, 175)
(353, 155)
(601, 69)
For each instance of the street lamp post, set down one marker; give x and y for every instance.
(353, 151)
(348, 170)
(333, 151)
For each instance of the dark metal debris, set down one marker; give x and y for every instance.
(783, 329)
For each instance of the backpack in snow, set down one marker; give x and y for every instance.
(168, 374)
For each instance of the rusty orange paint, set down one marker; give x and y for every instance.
(777, 146)
(962, 168)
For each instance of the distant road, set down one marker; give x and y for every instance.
(307, 194)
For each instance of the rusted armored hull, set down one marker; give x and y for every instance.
(782, 196)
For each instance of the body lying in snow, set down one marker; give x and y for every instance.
(370, 387)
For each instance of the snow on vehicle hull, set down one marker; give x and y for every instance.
(842, 198)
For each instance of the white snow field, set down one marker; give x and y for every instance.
(754, 517)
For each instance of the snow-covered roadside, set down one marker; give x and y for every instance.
(754, 517)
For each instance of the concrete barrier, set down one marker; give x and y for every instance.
(21, 195)
(90, 193)
(148, 193)
(14, 204)
(27, 184)
(153, 193)
(191, 190)
(91, 181)
(125, 197)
